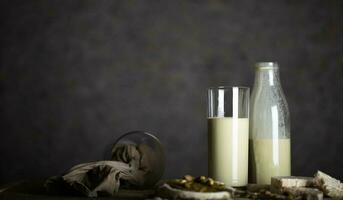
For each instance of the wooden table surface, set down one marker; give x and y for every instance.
(34, 190)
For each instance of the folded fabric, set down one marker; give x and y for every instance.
(130, 165)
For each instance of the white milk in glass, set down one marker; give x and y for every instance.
(228, 140)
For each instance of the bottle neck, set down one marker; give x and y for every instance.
(267, 75)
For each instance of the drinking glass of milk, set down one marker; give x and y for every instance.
(228, 134)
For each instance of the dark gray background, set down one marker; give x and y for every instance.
(77, 74)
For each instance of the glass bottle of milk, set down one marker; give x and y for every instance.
(269, 139)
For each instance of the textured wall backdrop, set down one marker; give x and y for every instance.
(77, 74)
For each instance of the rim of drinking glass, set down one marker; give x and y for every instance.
(161, 148)
(141, 132)
(110, 145)
(227, 87)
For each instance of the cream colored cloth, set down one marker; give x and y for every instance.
(130, 164)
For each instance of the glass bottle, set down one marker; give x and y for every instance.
(269, 139)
